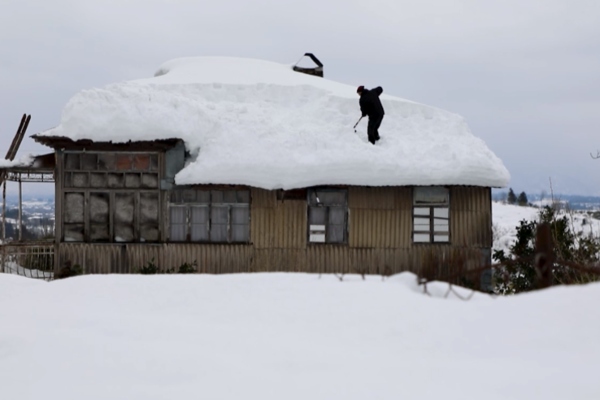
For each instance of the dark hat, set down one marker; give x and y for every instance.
(360, 89)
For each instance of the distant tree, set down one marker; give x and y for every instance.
(522, 199)
(511, 198)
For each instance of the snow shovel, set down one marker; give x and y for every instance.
(356, 124)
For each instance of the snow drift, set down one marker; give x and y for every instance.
(291, 336)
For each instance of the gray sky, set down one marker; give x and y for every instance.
(524, 73)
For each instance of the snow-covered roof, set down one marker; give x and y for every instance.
(262, 124)
(23, 161)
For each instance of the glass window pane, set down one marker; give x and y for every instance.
(89, 162)
(124, 217)
(133, 180)
(229, 196)
(149, 208)
(73, 232)
(240, 233)
(74, 207)
(199, 214)
(72, 161)
(203, 196)
(337, 215)
(421, 222)
(313, 199)
(421, 238)
(335, 234)
(99, 208)
(441, 238)
(431, 195)
(99, 233)
(216, 196)
(189, 196)
(441, 212)
(240, 214)
(154, 162)
(116, 180)
(150, 181)
(107, 162)
(329, 197)
(440, 225)
(422, 211)
(199, 232)
(218, 233)
(317, 215)
(141, 162)
(243, 196)
(80, 179)
(177, 232)
(123, 162)
(177, 224)
(98, 180)
(219, 215)
(177, 215)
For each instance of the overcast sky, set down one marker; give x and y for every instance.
(524, 73)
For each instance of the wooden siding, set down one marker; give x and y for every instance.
(471, 216)
(380, 227)
(441, 260)
(380, 217)
(129, 258)
(277, 224)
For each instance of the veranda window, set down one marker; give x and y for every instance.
(110, 197)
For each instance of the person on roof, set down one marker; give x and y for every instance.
(370, 105)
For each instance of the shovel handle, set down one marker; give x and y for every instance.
(358, 122)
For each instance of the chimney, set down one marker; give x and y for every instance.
(316, 71)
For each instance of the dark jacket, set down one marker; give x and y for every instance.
(370, 104)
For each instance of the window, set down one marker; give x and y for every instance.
(328, 216)
(213, 216)
(111, 197)
(431, 215)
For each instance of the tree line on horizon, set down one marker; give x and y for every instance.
(512, 198)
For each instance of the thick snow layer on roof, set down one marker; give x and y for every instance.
(23, 161)
(262, 124)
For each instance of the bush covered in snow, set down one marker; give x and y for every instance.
(571, 244)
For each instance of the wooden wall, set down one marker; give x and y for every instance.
(379, 223)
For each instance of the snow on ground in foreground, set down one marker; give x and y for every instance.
(291, 336)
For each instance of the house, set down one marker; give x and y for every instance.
(246, 165)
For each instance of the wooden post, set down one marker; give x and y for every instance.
(544, 256)
(3, 225)
(4, 211)
(20, 209)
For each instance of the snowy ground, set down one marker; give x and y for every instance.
(291, 336)
(506, 219)
(294, 336)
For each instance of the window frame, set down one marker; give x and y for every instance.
(94, 174)
(316, 232)
(197, 198)
(436, 212)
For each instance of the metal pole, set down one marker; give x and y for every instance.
(3, 225)
(4, 212)
(20, 210)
